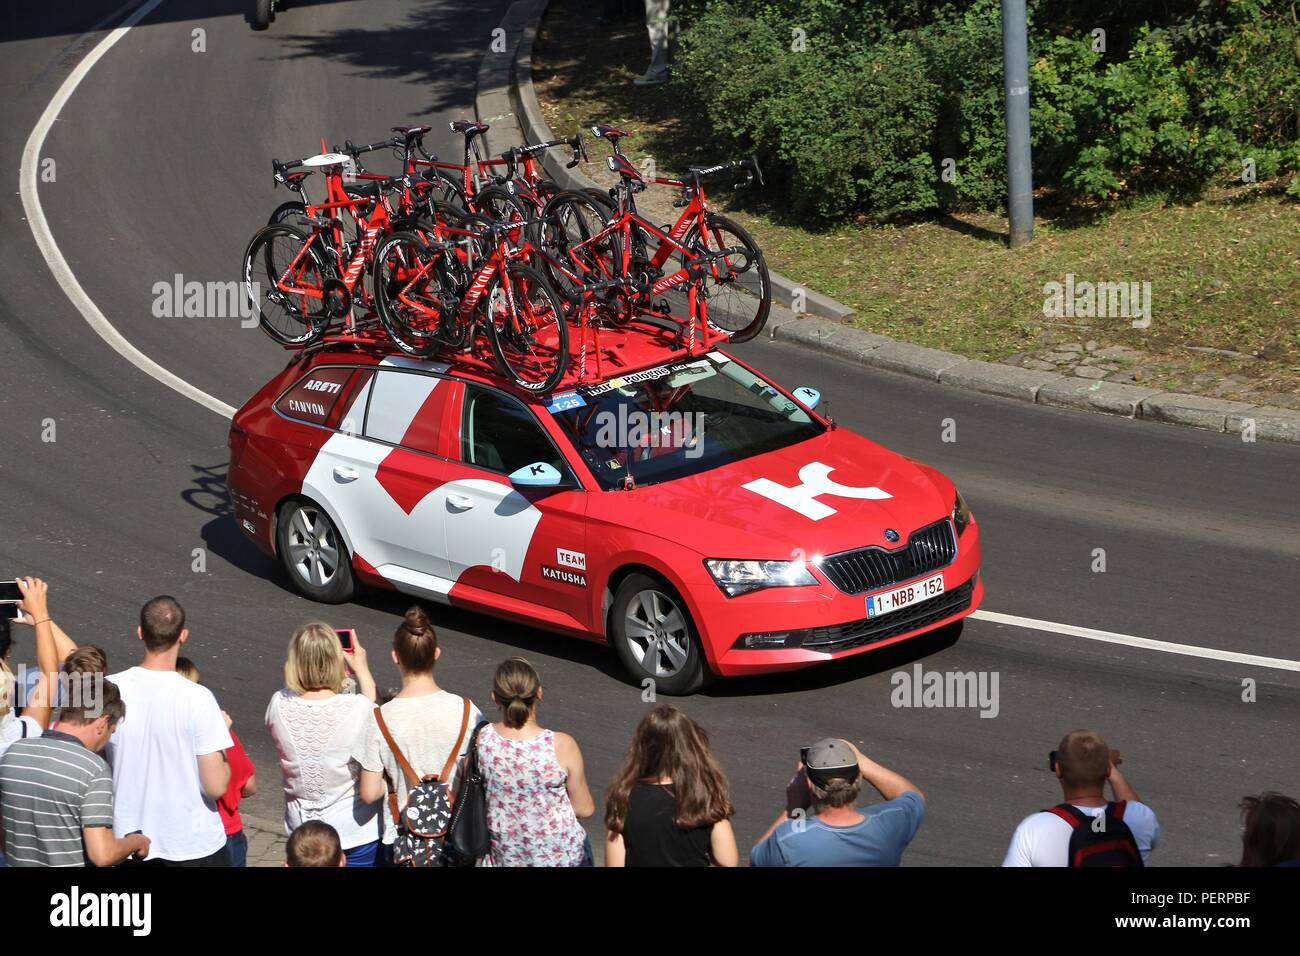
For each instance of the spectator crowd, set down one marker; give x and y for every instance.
(141, 767)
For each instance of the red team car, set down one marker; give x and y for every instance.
(693, 514)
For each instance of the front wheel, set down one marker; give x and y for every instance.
(654, 637)
(413, 293)
(313, 553)
(527, 328)
(284, 278)
(739, 301)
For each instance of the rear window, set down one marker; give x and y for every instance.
(313, 397)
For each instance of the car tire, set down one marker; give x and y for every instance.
(670, 654)
(313, 553)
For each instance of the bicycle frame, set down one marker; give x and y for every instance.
(697, 305)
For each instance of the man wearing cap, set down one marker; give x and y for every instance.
(836, 832)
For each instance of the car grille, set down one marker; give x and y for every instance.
(874, 567)
(872, 630)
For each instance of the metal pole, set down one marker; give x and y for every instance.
(1015, 71)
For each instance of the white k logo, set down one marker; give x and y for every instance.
(814, 479)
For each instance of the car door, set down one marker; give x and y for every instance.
(383, 470)
(527, 548)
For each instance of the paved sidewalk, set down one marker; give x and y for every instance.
(265, 847)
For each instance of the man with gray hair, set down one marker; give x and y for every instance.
(836, 832)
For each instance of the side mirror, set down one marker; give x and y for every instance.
(809, 396)
(537, 475)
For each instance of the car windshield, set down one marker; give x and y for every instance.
(678, 420)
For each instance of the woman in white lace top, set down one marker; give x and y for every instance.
(315, 727)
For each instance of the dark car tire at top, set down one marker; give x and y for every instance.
(669, 652)
(313, 553)
(262, 14)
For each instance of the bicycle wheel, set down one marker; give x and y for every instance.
(284, 279)
(568, 222)
(529, 335)
(414, 294)
(739, 302)
(444, 191)
(287, 212)
(498, 203)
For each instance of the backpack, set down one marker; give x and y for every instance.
(422, 826)
(1111, 845)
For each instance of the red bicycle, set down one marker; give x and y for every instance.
(299, 282)
(741, 301)
(425, 307)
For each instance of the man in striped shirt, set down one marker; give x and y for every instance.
(56, 792)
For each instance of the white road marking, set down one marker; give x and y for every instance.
(95, 319)
(1145, 643)
(63, 273)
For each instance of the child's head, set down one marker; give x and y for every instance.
(315, 843)
(186, 668)
(7, 680)
(87, 659)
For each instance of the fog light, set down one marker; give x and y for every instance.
(762, 642)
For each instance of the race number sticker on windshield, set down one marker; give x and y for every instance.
(908, 594)
(565, 401)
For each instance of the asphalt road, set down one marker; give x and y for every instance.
(161, 168)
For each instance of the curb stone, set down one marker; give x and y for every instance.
(1271, 424)
(1111, 398)
(911, 359)
(505, 98)
(1195, 410)
(1005, 380)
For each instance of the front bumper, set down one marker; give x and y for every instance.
(822, 623)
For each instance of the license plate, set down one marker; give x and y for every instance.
(899, 598)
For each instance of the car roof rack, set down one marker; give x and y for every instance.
(620, 351)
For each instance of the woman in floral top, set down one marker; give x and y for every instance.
(535, 783)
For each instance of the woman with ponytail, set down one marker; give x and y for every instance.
(424, 721)
(534, 779)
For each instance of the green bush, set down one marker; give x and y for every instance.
(862, 118)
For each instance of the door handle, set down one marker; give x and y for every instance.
(345, 474)
(460, 502)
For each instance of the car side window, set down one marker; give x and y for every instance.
(312, 398)
(501, 435)
(406, 408)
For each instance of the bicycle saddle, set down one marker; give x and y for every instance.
(411, 132)
(469, 128)
(621, 165)
(608, 132)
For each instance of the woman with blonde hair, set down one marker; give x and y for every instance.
(316, 727)
(669, 804)
(534, 779)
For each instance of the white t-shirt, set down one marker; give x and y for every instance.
(425, 730)
(316, 740)
(1043, 839)
(170, 721)
(16, 729)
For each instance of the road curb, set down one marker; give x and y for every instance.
(506, 99)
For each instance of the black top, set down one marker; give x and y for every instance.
(650, 836)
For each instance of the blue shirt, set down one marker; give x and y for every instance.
(879, 840)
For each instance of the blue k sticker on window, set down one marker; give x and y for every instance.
(565, 401)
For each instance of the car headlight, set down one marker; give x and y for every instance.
(740, 577)
(960, 514)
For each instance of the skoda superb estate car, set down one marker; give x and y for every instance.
(695, 515)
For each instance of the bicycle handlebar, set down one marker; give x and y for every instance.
(279, 169)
